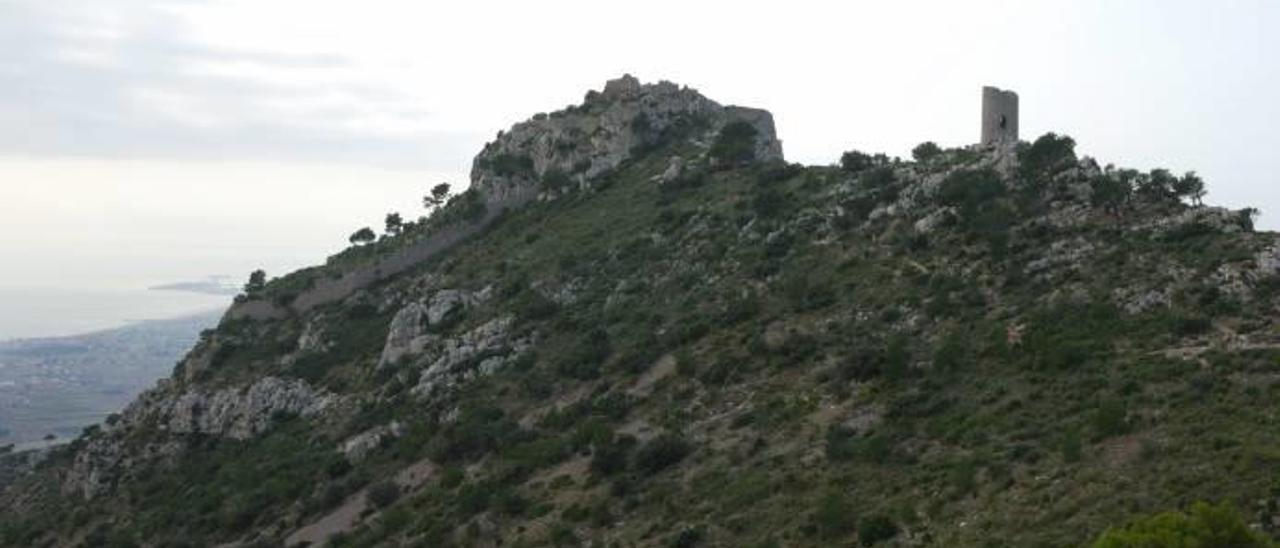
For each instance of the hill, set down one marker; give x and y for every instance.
(641, 327)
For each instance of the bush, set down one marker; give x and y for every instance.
(687, 538)
(735, 145)
(555, 180)
(1109, 419)
(584, 359)
(1047, 155)
(610, 457)
(834, 516)
(383, 493)
(926, 151)
(876, 528)
(1205, 525)
(662, 452)
(506, 164)
(854, 161)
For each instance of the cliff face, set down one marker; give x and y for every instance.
(691, 341)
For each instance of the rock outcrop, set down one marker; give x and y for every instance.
(233, 412)
(576, 146)
(410, 331)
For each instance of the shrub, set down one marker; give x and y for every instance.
(834, 516)
(610, 457)
(735, 145)
(1205, 525)
(508, 164)
(1047, 155)
(926, 151)
(555, 180)
(662, 452)
(876, 528)
(970, 189)
(383, 493)
(688, 538)
(584, 359)
(1109, 419)
(854, 161)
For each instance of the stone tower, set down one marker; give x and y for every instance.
(999, 116)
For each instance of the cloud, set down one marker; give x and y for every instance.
(131, 80)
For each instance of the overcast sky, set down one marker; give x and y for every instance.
(144, 141)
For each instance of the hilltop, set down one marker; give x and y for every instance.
(640, 326)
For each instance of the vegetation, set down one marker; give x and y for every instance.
(1203, 526)
(438, 196)
(735, 145)
(363, 236)
(257, 282)
(926, 151)
(764, 355)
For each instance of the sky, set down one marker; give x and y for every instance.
(152, 141)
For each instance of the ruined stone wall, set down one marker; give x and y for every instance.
(999, 116)
(329, 290)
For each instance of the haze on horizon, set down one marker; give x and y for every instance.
(153, 141)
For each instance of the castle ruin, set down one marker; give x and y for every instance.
(999, 116)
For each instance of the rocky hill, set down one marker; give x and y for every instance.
(641, 327)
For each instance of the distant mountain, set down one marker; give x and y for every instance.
(214, 285)
(57, 386)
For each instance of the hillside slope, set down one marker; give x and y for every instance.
(674, 338)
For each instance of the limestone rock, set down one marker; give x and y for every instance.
(240, 412)
(478, 352)
(410, 334)
(583, 143)
(361, 445)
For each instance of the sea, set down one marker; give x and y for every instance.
(28, 313)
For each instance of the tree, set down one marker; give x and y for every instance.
(926, 151)
(1157, 185)
(394, 223)
(735, 145)
(257, 282)
(363, 236)
(1190, 186)
(439, 195)
(1111, 192)
(1047, 155)
(854, 161)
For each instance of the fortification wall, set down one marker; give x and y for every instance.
(330, 290)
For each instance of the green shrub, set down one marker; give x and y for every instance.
(662, 452)
(687, 538)
(1109, 419)
(875, 529)
(383, 493)
(1203, 526)
(610, 457)
(506, 164)
(585, 358)
(1047, 155)
(854, 161)
(926, 151)
(735, 145)
(834, 516)
(555, 180)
